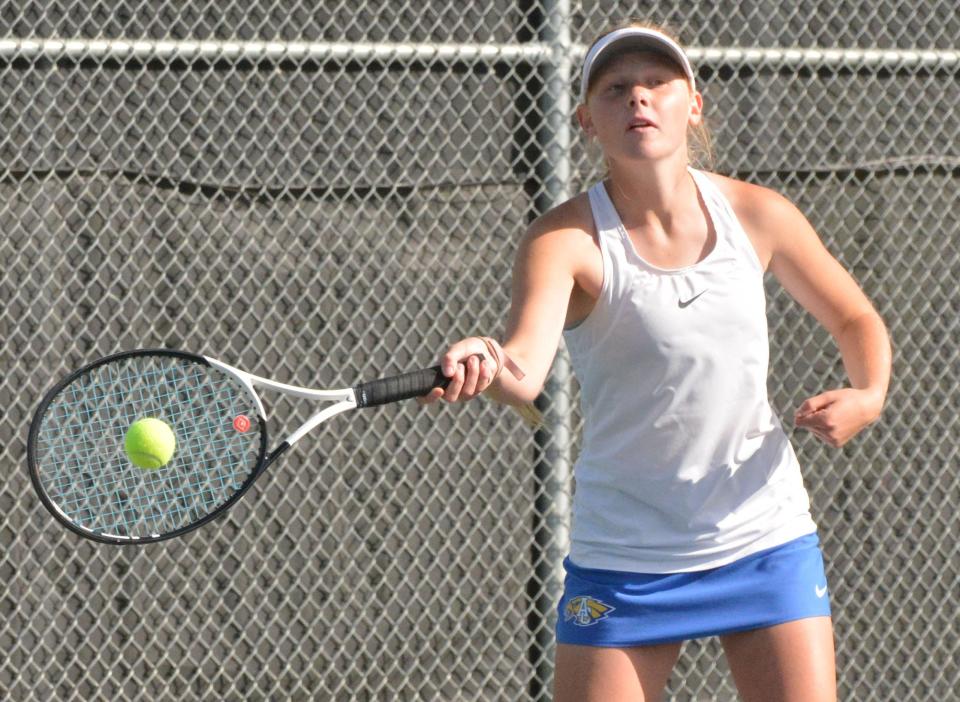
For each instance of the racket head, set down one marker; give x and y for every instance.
(79, 466)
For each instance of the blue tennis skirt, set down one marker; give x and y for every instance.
(614, 608)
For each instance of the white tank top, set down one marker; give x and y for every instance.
(684, 465)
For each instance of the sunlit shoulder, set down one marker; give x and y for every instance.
(568, 224)
(765, 214)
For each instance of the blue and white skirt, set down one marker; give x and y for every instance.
(614, 608)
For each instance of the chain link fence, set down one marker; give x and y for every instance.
(327, 192)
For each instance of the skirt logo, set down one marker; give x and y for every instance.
(586, 611)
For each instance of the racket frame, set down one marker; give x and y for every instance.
(369, 394)
(345, 399)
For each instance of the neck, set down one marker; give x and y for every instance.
(650, 194)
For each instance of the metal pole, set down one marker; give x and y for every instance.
(533, 53)
(554, 468)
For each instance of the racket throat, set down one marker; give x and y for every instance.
(348, 403)
(272, 456)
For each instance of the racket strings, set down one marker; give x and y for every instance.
(86, 474)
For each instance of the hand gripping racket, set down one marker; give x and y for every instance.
(85, 478)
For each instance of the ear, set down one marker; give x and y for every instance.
(696, 109)
(585, 120)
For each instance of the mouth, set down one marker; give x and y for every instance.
(641, 124)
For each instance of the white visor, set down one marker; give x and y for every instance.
(649, 39)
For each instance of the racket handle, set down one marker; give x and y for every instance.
(400, 387)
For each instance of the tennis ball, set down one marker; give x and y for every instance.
(150, 443)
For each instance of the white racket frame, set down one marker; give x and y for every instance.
(345, 398)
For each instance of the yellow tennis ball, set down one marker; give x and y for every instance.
(150, 443)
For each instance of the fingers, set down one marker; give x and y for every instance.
(819, 430)
(815, 404)
(831, 440)
(827, 417)
(824, 425)
(470, 378)
(469, 369)
(452, 392)
(486, 373)
(431, 396)
(810, 420)
(459, 353)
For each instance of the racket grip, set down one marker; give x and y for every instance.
(399, 387)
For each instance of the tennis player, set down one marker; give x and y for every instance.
(690, 515)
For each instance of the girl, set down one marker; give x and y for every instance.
(690, 515)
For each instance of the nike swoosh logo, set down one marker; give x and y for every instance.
(820, 593)
(684, 304)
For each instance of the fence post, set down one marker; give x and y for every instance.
(554, 465)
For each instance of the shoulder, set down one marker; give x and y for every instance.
(572, 216)
(756, 203)
(766, 215)
(563, 230)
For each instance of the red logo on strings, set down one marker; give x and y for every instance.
(241, 423)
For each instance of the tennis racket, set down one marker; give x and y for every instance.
(76, 448)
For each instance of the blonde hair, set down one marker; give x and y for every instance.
(700, 152)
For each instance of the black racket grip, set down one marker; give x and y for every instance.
(400, 387)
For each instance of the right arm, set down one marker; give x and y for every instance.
(543, 279)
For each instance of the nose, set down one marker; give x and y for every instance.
(639, 95)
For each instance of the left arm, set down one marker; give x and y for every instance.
(815, 279)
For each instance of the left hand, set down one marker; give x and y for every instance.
(836, 416)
